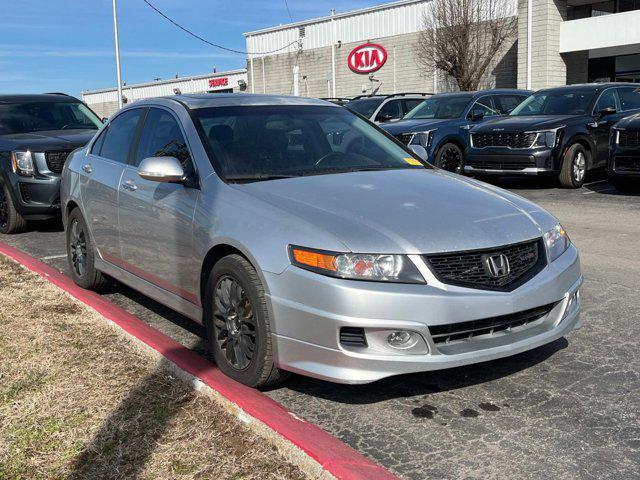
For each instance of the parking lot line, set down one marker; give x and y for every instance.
(54, 257)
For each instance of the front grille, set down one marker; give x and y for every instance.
(353, 337)
(469, 269)
(498, 162)
(405, 138)
(487, 326)
(55, 160)
(627, 164)
(511, 140)
(629, 138)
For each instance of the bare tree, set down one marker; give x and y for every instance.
(461, 37)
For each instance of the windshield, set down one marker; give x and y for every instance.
(266, 142)
(440, 108)
(365, 106)
(556, 102)
(43, 116)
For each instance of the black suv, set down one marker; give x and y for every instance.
(560, 131)
(37, 133)
(624, 159)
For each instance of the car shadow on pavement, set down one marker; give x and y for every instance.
(126, 440)
(428, 382)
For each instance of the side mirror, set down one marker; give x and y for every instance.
(105, 119)
(162, 170)
(477, 114)
(607, 111)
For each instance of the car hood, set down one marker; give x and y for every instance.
(408, 126)
(525, 123)
(404, 211)
(629, 122)
(49, 140)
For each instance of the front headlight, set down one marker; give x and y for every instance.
(22, 163)
(547, 138)
(557, 242)
(423, 139)
(357, 266)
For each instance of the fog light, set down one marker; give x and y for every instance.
(402, 339)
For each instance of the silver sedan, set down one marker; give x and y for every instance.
(307, 240)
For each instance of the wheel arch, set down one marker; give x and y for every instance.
(586, 142)
(215, 254)
(450, 139)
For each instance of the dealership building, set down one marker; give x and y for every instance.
(374, 50)
(105, 102)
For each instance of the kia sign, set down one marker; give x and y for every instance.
(367, 58)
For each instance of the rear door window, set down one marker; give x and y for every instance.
(506, 103)
(120, 135)
(629, 98)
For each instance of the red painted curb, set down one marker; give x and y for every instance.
(337, 458)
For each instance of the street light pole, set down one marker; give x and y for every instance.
(118, 73)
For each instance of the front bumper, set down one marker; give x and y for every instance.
(308, 311)
(503, 161)
(624, 163)
(36, 197)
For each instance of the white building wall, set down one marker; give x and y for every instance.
(105, 102)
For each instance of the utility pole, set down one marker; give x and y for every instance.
(118, 73)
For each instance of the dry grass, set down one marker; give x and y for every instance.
(78, 402)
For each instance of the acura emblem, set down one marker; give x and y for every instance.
(496, 266)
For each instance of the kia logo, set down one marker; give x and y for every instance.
(367, 58)
(496, 266)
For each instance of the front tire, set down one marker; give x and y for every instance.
(10, 219)
(450, 158)
(238, 324)
(574, 166)
(81, 254)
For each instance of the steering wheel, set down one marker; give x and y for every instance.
(330, 155)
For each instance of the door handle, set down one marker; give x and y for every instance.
(130, 185)
(87, 168)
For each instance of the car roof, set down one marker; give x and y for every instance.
(241, 99)
(495, 91)
(40, 97)
(587, 86)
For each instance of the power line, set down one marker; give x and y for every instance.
(286, 4)
(215, 45)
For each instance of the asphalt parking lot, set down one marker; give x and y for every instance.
(566, 410)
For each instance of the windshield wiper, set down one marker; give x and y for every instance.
(256, 177)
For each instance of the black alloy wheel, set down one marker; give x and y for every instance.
(78, 248)
(234, 322)
(449, 158)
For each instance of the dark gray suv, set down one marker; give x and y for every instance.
(37, 134)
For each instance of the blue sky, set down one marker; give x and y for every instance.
(67, 45)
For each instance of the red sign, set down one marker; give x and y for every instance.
(219, 82)
(367, 58)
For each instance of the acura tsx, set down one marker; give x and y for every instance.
(306, 239)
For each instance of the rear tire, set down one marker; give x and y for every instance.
(81, 254)
(450, 158)
(626, 185)
(238, 324)
(574, 166)
(10, 219)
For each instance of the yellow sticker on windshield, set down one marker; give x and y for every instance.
(413, 161)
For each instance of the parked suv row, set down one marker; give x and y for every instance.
(624, 158)
(561, 131)
(438, 129)
(37, 133)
